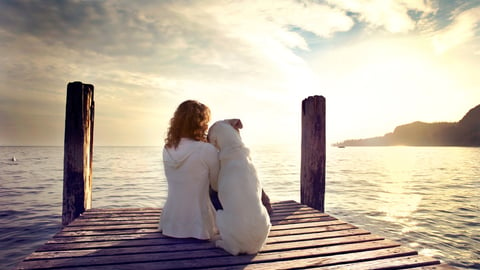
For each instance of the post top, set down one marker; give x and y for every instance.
(79, 84)
(315, 97)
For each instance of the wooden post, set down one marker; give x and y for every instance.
(312, 182)
(78, 151)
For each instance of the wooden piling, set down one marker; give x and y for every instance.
(78, 151)
(312, 169)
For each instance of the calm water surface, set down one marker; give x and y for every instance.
(425, 197)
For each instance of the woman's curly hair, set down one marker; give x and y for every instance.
(190, 120)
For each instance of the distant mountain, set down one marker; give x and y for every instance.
(465, 132)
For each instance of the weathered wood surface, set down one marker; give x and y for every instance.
(301, 237)
(78, 151)
(312, 167)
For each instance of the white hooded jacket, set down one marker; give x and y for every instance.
(190, 169)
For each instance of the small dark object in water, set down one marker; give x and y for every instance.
(14, 159)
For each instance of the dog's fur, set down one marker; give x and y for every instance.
(243, 223)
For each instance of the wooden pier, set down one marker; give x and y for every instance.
(301, 237)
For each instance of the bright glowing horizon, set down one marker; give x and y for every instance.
(379, 64)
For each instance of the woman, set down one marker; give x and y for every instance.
(191, 166)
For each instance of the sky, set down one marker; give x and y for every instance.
(378, 63)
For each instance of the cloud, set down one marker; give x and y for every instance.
(392, 15)
(462, 30)
(146, 57)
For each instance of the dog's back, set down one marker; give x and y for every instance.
(243, 223)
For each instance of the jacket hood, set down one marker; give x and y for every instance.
(176, 157)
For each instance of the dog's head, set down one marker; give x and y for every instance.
(225, 133)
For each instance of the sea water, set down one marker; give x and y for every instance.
(427, 198)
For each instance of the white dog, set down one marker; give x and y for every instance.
(244, 223)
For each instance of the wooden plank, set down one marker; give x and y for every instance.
(111, 232)
(280, 207)
(290, 205)
(287, 203)
(315, 235)
(156, 235)
(154, 224)
(388, 263)
(304, 239)
(341, 226)
(321, 242)
(434, 267)
(119, 214)
(292, 209)
(333, 259)
(206, 257)
(103, 222)
(291, 226)
(298, 217)
(179, 247)
(110, 251)
(112, 227)
(97, 242)
(96, 215)
(52, 247)
(303, 220)
(94, 218)
(138, 209)
(108, 244)
(144, 249)
(163, 244)
(155, 219)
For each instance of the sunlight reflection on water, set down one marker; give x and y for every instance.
(424, 196)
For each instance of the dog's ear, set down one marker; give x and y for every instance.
(235, 123)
